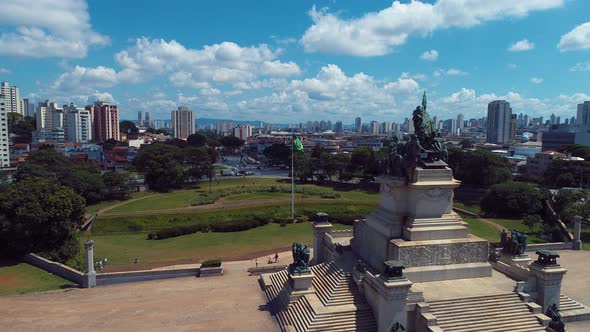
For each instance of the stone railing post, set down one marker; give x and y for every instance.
(392, 297)
(548, 276)
(89, 279)
(320, 227)
(577, 233)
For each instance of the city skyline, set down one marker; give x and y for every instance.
(298, 60)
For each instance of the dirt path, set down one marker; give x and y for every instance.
(491, 223)
(108, 208)
(221, 205)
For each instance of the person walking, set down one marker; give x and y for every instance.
(256, 262)
(277, 257)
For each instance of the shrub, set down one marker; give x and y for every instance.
(211, 263)
(344, 219)
(330, 195)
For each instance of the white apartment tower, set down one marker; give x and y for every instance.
(78, 124)
(243, 132)
(4, 138)
(498, 122)
(12, 98)
(44, 116)
(183, 122)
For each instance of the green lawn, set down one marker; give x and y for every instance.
(468, 207)
(124, 248)
(110, 224)
(517, 224)
(19, 278)
(262, 195)
(92, 208)
(483, 230)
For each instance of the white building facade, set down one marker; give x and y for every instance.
(183, 122)
(12, 98)
(4, 136)
(78, 124)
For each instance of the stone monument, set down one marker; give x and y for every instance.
(415, 223)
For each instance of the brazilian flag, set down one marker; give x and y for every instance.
(297, 145)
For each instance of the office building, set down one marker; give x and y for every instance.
(583, 114)
(460, 122)
(11, 98)
(4, 136)
(183, 122)
(139, 118)
(358, 124)
(53, 135)
(148, 121)
(105, 122)
(78, 124)
(338, 127)
(498, 122)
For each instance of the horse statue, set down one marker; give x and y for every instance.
(301, 255)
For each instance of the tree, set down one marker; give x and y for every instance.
(84, 178)
(162, 165)
(197, 139)
(512, 199)
(565, 173)
(231, 143)
(200, 161)
(466, 143)
(479, 168)
(363, 158)
(21, 127)
(40, 215)
(177, 142)
(532, 220)
(116, 182)
(278, 154)
(128, 127)
(577, 150)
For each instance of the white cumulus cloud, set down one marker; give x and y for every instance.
(377, 33)
(431, 55)
(577, 39)
(581, 66)
(536, 80)
(47, 28)
(522, 45)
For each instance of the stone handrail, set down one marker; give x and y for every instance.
(58, 269)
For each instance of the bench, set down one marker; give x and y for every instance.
(266, 269)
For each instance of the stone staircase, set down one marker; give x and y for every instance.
(336, 304)
(571, 310)
(493, 313)
(334, 286)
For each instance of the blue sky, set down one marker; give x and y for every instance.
(301, 60)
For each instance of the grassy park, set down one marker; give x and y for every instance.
(20, 278)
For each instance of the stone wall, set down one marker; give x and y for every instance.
(550, 246)
(103, 279)
(58, 269)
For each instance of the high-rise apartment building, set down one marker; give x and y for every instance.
(78, 124)
(498, 122)
(148, 121)
(460, 122)
(338, 127)
(4, 136)
(225, 126)
(243, 132)
(105, 121)
(374, 127)
(583, 114)
(139, 118)
(12, 98)
(358, 124)
(183, 122)
(44, 115)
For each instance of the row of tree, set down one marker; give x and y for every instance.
(167, 165)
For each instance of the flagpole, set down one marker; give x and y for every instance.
(292, 180)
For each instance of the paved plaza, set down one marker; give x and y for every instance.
(233, 302)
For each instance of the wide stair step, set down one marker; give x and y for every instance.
(334, 288)
(493, 313)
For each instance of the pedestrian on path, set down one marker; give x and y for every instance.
(256, 262)
(277, 257)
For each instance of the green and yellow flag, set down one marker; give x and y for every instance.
(297, 145)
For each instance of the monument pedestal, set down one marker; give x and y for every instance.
(301, 284)
(415, 224)
(548, 283)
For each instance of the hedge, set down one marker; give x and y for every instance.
(211, 263)
(233, 226)
(210, 198)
